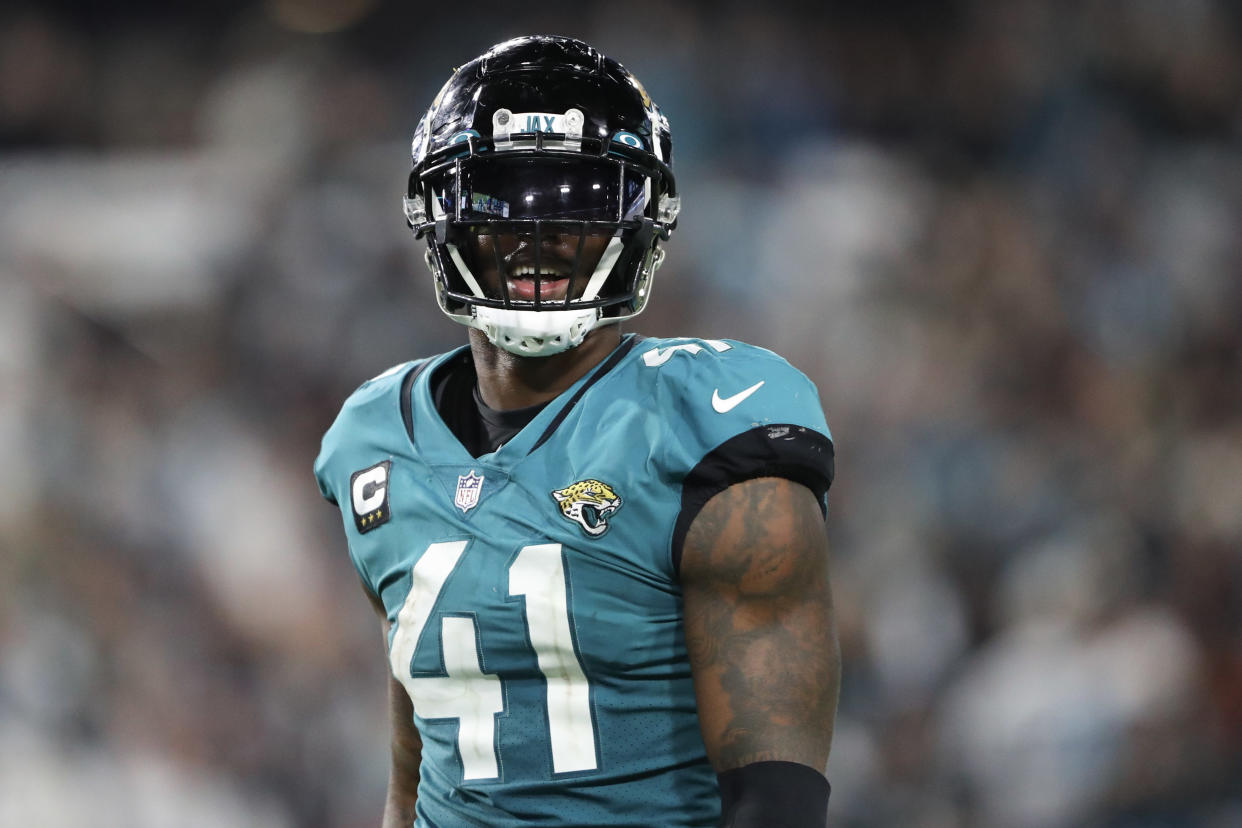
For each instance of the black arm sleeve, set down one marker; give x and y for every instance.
(797, 453)
(773, 795)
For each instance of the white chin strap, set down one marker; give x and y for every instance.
(538, 333)
(535, 333)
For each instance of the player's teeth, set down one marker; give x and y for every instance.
(528, 270)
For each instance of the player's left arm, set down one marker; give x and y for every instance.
(763, 649)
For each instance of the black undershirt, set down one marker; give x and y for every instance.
(480, 428)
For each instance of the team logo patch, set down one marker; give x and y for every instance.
(588, 503)
(468, 488)
(368, 490)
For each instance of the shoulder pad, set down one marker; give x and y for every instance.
(713, 390)
(369, 417)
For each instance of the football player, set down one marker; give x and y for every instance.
(599, 559)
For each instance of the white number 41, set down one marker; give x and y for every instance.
(475, 697)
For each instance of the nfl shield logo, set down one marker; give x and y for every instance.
(468, 486)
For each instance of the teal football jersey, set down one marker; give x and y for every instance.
(533, 591)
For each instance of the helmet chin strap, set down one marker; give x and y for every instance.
(535, 333)
(538, 333)
(544, 333)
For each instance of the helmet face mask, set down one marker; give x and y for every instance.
(542, 186)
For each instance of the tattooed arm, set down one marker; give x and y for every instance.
(407, 745)
(760, 629)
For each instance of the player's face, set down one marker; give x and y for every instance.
(566, 260)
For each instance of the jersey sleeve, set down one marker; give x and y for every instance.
(742, 412)
(359, 440)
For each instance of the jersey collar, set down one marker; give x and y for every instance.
(435, 442)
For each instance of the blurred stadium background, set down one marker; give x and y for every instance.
(1002, 237)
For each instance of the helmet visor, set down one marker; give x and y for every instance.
(486, 188)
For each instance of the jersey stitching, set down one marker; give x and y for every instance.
(612, 362)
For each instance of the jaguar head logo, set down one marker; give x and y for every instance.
(588, 503)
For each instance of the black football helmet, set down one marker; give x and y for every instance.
(557, 151)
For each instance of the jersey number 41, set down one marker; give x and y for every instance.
(474, 697)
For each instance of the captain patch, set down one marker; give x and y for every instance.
(368, 491)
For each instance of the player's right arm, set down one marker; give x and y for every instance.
(407, 745)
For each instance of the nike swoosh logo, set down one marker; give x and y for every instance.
(727, 404)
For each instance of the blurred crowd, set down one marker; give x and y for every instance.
(1002, 238)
